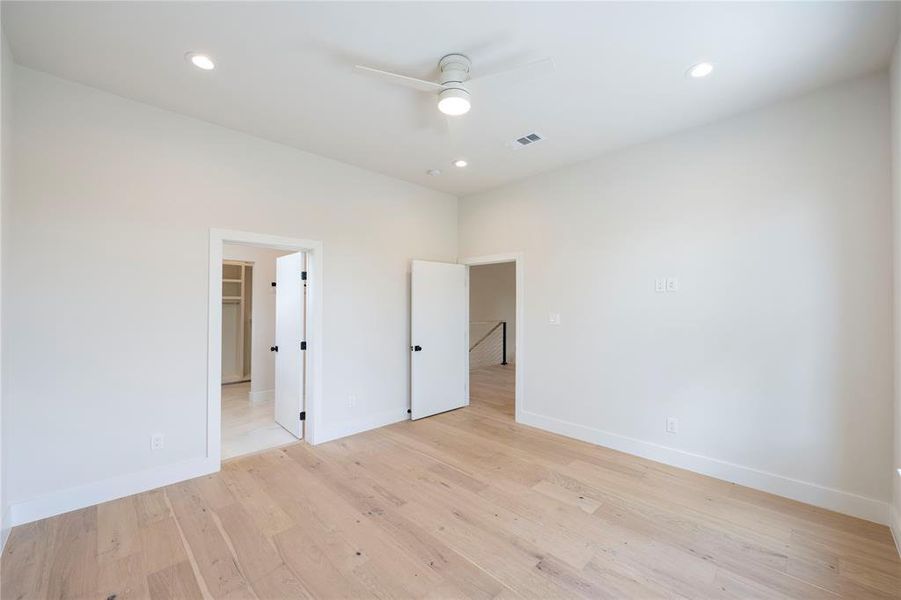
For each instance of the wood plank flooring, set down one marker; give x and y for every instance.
(466, 504)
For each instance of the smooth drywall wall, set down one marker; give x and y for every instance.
(896, 205)
(6, 85)
(775, 353)
(262, 361)
(107, 296)
(492, 297)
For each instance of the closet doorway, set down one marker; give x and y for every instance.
(266, 267)
(263, 347)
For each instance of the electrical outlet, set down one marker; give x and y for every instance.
(156, 441)
(660, 285)
(672, 284)
(672, 425)
(351, 401)
(553, 318)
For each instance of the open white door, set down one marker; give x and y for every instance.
(439, 336)
(290, 319)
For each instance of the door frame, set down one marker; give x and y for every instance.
(313, 356)
(520, 344)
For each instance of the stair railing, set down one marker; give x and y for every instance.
(502, 325)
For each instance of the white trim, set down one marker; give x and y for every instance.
(261, 396)
(5, 527)
(848, 503)
(313, 395)
(89, 494)
(895, 524)
(519, 394)
(895, 528)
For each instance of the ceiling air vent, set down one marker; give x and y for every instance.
(527, 140)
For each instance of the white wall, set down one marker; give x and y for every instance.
(775, 353)
(262, 361)
(896, 205)
(492, 297)
(6, 82)
(113, 203)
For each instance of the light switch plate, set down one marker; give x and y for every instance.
(553, 318)
(672, 284)
(660, 285)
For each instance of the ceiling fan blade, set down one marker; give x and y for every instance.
(411, 82)
(528, 69)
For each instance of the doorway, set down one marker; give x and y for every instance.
(453, 349)
(262, 361)
(492, 339)
(264, 342)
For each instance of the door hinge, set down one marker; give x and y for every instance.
(303, 345)
(273, 348)
(303, 415)
(303, 275)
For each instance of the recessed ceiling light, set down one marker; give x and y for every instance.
(454, 102)
(700, 70)
(434, 172)
(201, 61)
(460, 163)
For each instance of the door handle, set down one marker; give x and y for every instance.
(416, 348)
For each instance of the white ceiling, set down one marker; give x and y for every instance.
(285, 70)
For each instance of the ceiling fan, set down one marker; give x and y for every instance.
(453, 91)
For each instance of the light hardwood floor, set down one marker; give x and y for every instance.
(463, 504)
(246, 427)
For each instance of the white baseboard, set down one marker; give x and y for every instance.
(803, 491)
(895, 528)
(5, 527)
(261, 396)
(117, 487)
(359, 426)
(89, 494)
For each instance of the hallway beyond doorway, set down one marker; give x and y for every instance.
(491, 391)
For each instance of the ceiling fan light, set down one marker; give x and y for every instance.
(454, 102)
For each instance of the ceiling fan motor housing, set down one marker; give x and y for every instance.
(454, 70)
(454, 99)
(453, 85)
